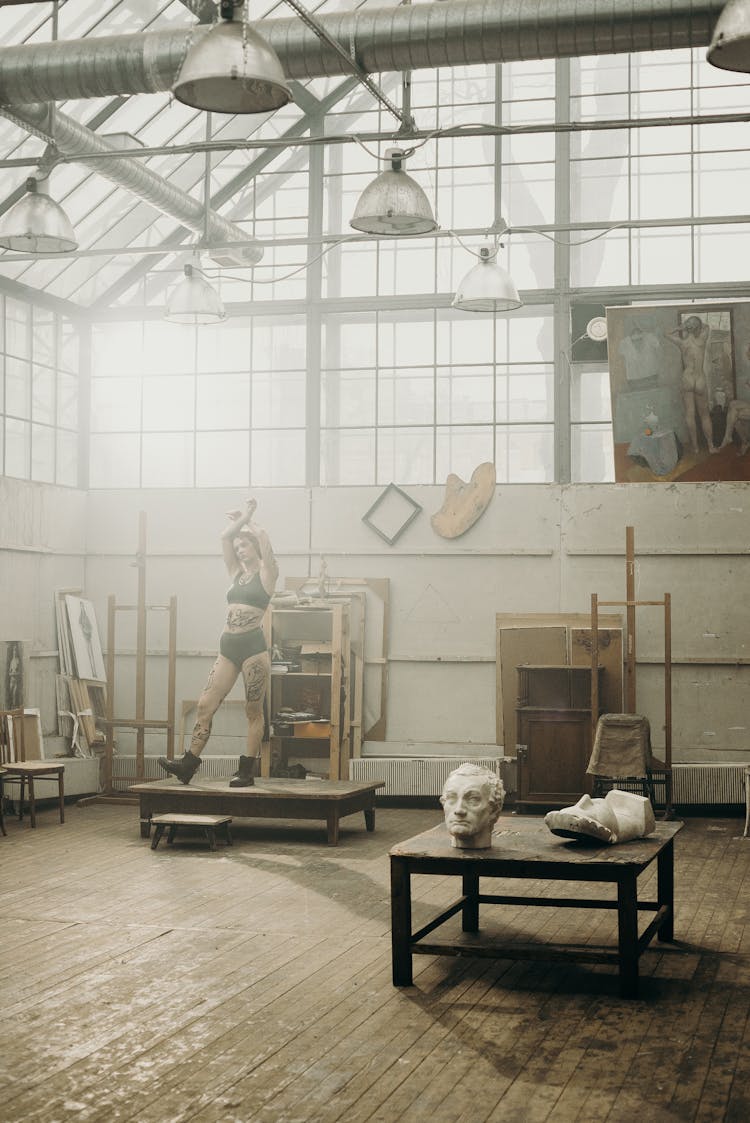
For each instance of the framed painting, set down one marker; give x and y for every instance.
(680, 386)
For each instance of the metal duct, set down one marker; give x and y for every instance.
(406, 37)
(76, 140)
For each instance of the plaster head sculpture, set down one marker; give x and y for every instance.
(472, 800)
(619, 817)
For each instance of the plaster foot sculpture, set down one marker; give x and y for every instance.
(184, 768)
(619, 817)
(472, 800)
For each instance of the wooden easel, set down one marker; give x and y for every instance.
(630, 604)
(140, 723)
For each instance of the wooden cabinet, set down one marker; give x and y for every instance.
(554, 732)
(310, 689)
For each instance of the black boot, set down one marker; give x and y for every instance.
(184, 768)
(244, 776)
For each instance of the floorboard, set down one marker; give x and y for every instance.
(253, 984)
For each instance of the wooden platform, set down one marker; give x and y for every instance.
(254, 984)
(329, 800)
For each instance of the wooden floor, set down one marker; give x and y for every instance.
(254, 983)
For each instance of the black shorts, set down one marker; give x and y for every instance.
(239, 646)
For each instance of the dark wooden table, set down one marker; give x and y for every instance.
(525, 848)
(329, 800)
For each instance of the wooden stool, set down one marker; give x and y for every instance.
(209, 823)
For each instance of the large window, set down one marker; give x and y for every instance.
(346, 363)
(39, 401)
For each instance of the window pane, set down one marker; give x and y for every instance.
(43, 395)
(278, 399)
(348, 397)
(589, 395)
(406, 396)
(17, 448)
(67, 400)
(115, 460)
(18, 387)
(167, 460)
(169, 402)
(115, 405)
(222, 459)
(592, 454)
(405, 456)
(465, 394)
(67, 458)
(223, 401)
(278, 458)
(43, 453)
(461, 450)
(347, 456)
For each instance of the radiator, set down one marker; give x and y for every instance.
(422, 776)
(708, 783)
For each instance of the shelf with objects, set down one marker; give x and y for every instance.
(310, 691)
(554, 723)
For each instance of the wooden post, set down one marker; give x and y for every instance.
(109, 749)
(630, 616)
(668, 680)
(594, 666)
(140, 652)
(171, 675)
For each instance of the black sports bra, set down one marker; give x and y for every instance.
(252, 593)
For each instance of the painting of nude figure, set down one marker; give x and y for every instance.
(680, 386)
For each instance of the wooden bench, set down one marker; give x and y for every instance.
(208, 823)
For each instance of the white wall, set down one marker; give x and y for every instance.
(536, 549)
(42, 548)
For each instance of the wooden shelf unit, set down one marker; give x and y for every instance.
(321, 632)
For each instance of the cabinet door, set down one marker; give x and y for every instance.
(556, 750)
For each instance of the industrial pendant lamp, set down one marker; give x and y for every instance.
(730, 46)
(194, 300)
(37, 224)
(487, 287)
(232, 69)
(393, 203)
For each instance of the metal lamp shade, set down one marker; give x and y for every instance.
(730, 46)
(194, 301)
(393, 203)
(37, 224)
(224, 73)
(487, 288)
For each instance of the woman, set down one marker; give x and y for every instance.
(242, 647)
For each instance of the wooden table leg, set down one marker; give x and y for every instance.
(370, 818)
(145, 812)
(211, 836)
(627, 933)
(665, 890)
(470, 910)
(332, 820)
(32, 801)
(21, 792)
(228, 834)
(61, 795)
(171, 834)
(158, 832)
(2, 798)
(401, 957)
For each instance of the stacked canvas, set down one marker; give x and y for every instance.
(81, 684)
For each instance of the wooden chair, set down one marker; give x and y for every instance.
(26, 772)
(2, 799)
